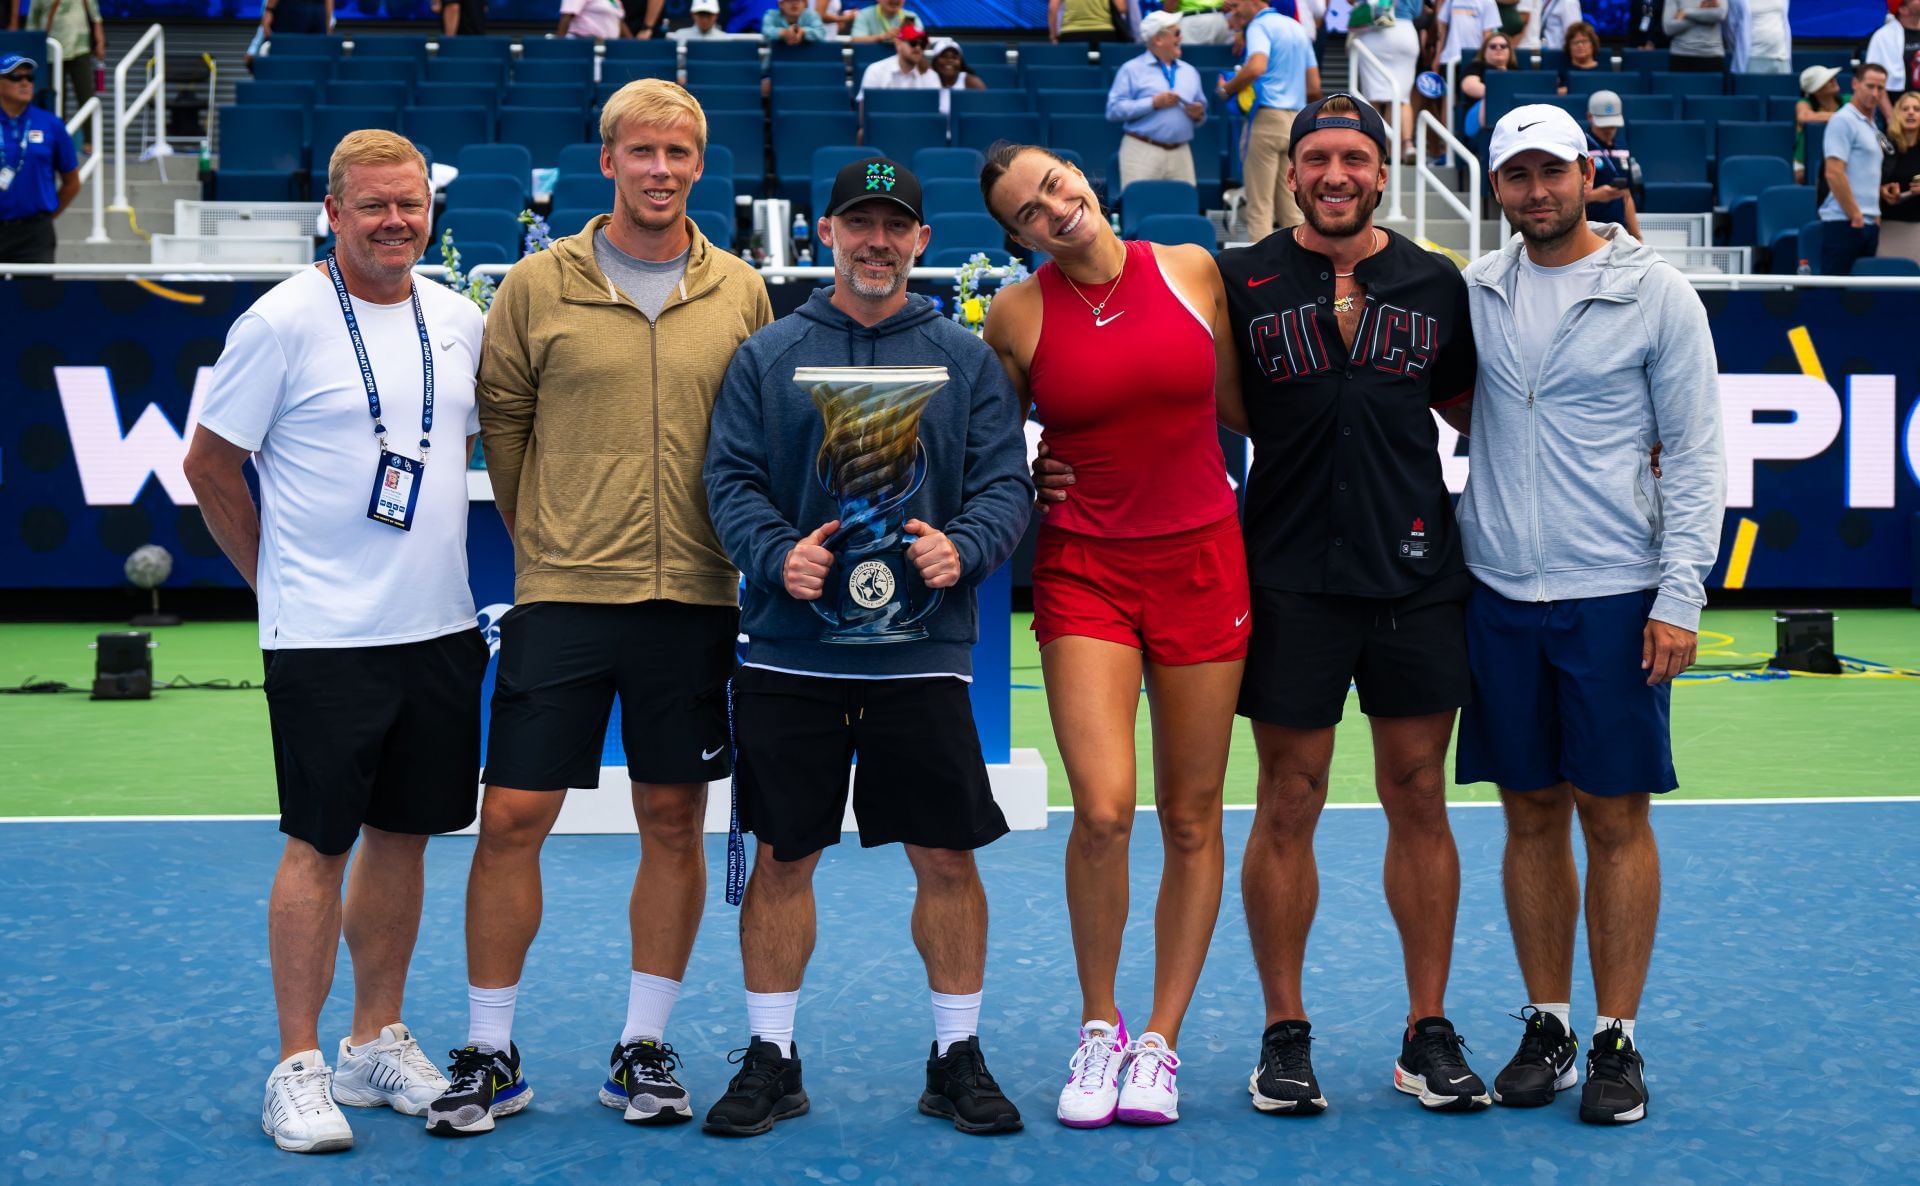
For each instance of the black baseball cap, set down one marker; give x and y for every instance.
(875, 177)
(1366, 122)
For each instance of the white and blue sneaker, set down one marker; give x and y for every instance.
(483, 1083)
(640, 1081)
(299, 1112)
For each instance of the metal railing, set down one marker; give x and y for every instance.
(57, 68)
(1424, 176)
(90, 113)
(1446, 111)
(1358, 50)
(152, 99)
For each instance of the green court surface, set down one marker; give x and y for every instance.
(206, 752)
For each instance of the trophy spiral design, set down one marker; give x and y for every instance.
(871, 462)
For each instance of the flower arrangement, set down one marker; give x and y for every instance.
(479, 289)
(970, 301)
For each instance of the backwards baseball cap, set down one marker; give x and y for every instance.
(1605, 110)
(1363, 119)
(1537, 126)
(13, 62)
(875, 178)
(698, 6)
(1815, 77)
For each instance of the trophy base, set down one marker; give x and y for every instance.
(876, 637)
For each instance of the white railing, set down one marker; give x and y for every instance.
(90, 114)
(57, 69)
(152, 99)
(1424, 177)
(1446, 110)
(1358, 50)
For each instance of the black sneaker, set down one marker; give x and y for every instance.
(1542, 1066)
(640, 1080)
(1616, 1087)
(482, 1083)
(766, 1088)
(1284, 1082)
(961, 1089)
(1431, 1067)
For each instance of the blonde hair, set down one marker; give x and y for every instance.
(1895, 132)
(653, 101)
(371, 146)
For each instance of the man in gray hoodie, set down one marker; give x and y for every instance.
(1589, 584)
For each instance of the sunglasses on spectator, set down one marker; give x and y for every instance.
(28, 77)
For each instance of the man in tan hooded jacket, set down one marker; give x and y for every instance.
(598, 373)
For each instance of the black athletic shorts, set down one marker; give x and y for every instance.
(919, 780)
(561, 663)
(1407, 654)
(386, 736)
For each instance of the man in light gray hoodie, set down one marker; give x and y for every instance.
(1589, 584)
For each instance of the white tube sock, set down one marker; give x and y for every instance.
(1561, 1010)
(649, 1003)
(955, 1018)
(770, 1018)
(1602, 1024)
(490, 1016)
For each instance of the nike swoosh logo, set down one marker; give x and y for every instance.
(1236, 622)
(1524, 127)
(1295, 1082)
(1460, 1080)
(707, 755)
(447, 345)
(1099, 321)
(1263, 280)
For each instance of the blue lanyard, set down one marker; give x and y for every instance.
(366, 367)
(1172, 71)
(26, 126)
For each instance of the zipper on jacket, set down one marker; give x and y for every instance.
(653, 354)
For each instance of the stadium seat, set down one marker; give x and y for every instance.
(577, 51)
(1585, 82)
(1782, 110)
(794, 99)
(988, 103)
(807, 52)
(745, 134)
(570, 220)
(1713, 109)
(1835, 57)
(1173, 229)
(364, 94)
(579, 160)
(899, 102)
(314, 70)
(403, 48)
(253, 92)
(714, 190)
(950, 195)
(794, 144)
(505, 160)
(1209, 148)
(1671, 150)
(475, 231)
(1574, 105)
(480, 71)
(979, 132)
(1782, 210)
(628, 50)
(1504, 85)
(616, 74)
(1071, 102)
(1809, 245)
(262, 153)
(971, 232)
(1058, 78)
(582, 189)
(978, 51)
(997, 75)
(1639, 107)
(707, 52)
(1643, 61)
(443, 131)
(519, 94)
(904, 133)
(733, 98)
(482, 49)
(790, 73)
(1677, 197)
(1091, 136)
(716, 225)
(331, 125)
(1767, 85)
(1208, 59)
(721, 73)
(400, 70)
(1145, 199)
(1685, 82)
(956, 257)
(1549, 59)
(866, 53)
(1881, 265)
(1741, 180)
(934, 164)
(555, 73)
(823, 166)
(487, 191)
(1753, 139)
(304, 45)
(1038, 53)
(542, 131)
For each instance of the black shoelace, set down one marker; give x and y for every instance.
(649, 1062)
(754, 1073)
(1609, 1057)
(1287, 1053)
(1534, 1046)
(470, 1068)
(1440, 1051)
(970, 1068)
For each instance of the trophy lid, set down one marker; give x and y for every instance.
(811, 375)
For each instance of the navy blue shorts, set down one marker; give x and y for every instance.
(1559, 696)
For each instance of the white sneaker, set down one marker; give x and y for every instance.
(1149, 1093)
(393, 1072)
(1093, 1076)
(299, 1113)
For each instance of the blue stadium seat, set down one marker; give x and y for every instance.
(616, 74)
(1550, 59)
(262, 153)
(1057, 78)
(977, 51)
(1146, 199)
(902, 134)
(1208, 59)
(1742, 179)
(579, 160)
(582, 189)
(714, 190)
(574, 50)
(733, 98)
(934, 164)
(1782, 110)
(402, 70)
(1881, 265)
(971, 232)
(1209, 148)
(331, 125)
(810, 98)
(1504, 85)
(1836, 57)
(396, 47)
(253, 92)
(1677, 197)
(1753, 139)
(482, 71)
(1782, 211)
(795, 143)
(1070, 102)
(304, 45)
(28, 43)
(364, 94)
(314, 70)
(1172, 229)
(1685, 82)
(980, 131)
(717, 226)
(458, 94)
(704, 52)
(542, 131)
(827, 160)
(1040, 54)
(986, 103)
(951, 195)
(791, 73)
(552, 73)
(1585, 82)
(721, 73)
(1809, 245)
(956, 257)
(487, 191)
(1574, 105)
(1814, 143)
(1091, 136)
(807, 52)
(520, 94)
(1671, 150)
(745, 134)
(443, 131)
(1767, 85)
(506, 160)
(1643, 61)
(482, 49)
(1113, 53)
(483, 236)
(866, 53)
(629, 50)
(997, 75)
(899, 102)
(1639, 107)
(570, 220)
(1713, 109)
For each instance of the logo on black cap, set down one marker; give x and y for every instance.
(881, 176)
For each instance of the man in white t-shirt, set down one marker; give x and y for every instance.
(604, 20)
(1462, 26)
(338, 384)
(1895, 48)
(907, 69)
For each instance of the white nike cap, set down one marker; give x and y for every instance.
(1541, 126)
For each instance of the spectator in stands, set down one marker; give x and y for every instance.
(1900, 182)
(45, 171)
(1552, 23)
(1157, 100)
(1850, 217)
(1759, 37)
(295, 16)
(1385, 28)
(1644, 28)
(706, 23)
(1206, 26)
(1895, 48)
(1610, 196)
(1698, 29)
(1820, 101)
(1496, 53)
(1583, 52)
(833, 17)
(950, 67)
(1463, 25)
(1285, 76)
(792, 22)
(1091, 21)
(75, 24)
(458, 18)
(602, 20)
(906, 70)
(882, 21)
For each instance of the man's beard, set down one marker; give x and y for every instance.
(849, 271)
(1364, 204)
(1557, 230)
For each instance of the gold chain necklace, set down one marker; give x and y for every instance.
(1100, 308)
(1345, 304)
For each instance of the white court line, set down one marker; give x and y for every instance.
(1785, 800)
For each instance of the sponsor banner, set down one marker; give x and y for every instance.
(741, 14)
